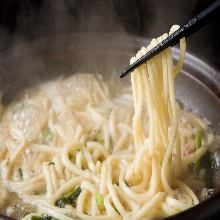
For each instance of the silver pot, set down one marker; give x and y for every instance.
(198, 87)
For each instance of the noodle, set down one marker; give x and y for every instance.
(84, 155)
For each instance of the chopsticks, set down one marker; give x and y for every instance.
(186, 30)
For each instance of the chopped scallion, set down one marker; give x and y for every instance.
(99, 199)
(61, 202)
(126, 183)
(208, 163)
(42, 217)
(116, 209)
(71, 199)
(74, 196)
(198, 138)
(198, 145)
(20, 173)
(36, 218)
(47, 217)
(48, 135)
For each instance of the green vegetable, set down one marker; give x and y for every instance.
(48, 135)
(69, 193)
(51, 163)
(71, 199)
(208, 163)
(116, 209)
(198, 145)
(198, 138)
(36, 218)
(99, 199)
(43, 217)
(47, 217)
(127, 184)
(62, 202)
(208, 178)
(20, 173)
(74, 196)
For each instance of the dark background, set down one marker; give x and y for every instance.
(29, 20)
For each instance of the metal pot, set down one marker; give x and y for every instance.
(198, 87)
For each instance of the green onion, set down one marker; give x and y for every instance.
(116, 209)
(208, 178)
(198, 145)
(208, 163)
(74, 196)
(51, 163)
(126, 183)
(99, 199)
(47, 217)
(36, 218)
(43, 217)
(48, 135)
(198, 138)
(20, 173)
(69, 193)
(71, 199)
(61, 202)
(205, 162)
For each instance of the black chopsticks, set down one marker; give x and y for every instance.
(186, 30)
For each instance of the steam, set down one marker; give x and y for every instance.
(47, 41)
(70, 26)
(69, 16)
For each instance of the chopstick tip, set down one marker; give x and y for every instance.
(124, 73)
